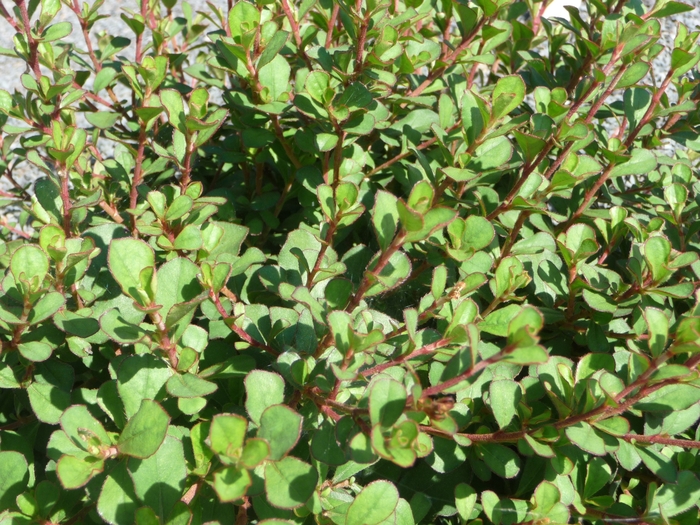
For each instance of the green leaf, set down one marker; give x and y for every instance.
(642, 161)
(385, 218)
(472, 116)
(175, 107)
(497, 322)
(508, 94)
(189, 385)
(355, 96)
(465, 500)
(280, 426)
(661, 465)
(289, 483)
(159, 480)
(672, 499)
(326, 141)
(633, 74)
(181, 205)
(263, 389)
(57, 31)
(81, 325)
(243, 17)
(396, 271)
(616, 426)
(119, 329)
(375, 503)
(75, 472)
(190, 238)
(29, 263)
(35, 351)
(140, 377)
(658, 330)
(585, 437)
(657, 251)
(104, 78)
(254, 452)
(102, 119)
(669, 9)
(111, 404)
(231, 483)
(227, 434)
(316, 85)
(504, 396)
(491, 154)
(325, 447)
(117, 502)
(500, 459)
(274, 77)
(599, 301)
(670, 398)
(86, 432)
(387, 400)
(145, 431)
(274, 46)
(14, 475)
(146, 516)
(126, 259)
(48, 402)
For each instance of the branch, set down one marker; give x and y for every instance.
(238, 330)
(656, 438)
(424, 350)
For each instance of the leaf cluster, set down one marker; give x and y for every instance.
(350, 262)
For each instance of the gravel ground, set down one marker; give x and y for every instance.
(115, 26)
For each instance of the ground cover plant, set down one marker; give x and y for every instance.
(353, 263)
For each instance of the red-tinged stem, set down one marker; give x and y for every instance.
(238, 330)
(423, 145)
(65, 199)
(537, 19)
(33, 44)
(331, 25)
(138, 175)
(9, 18)
(424, 350)
(448, 59)
(591, 193)
(295, 31)
(16, 231)
(166, 344)
(321, 254)
(187, 165)
(94, 97)
(477, 368)
(684, 443)
(529, 168)
(361, 40)
(111, 212)
(287, 148)
(88, 42)
(139, 37)
(655, 101)
(381, 263)
(366, 283)
(510, 241)
(17, 424)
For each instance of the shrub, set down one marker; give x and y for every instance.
(362, 263)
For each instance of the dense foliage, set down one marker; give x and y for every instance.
(361, 263)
